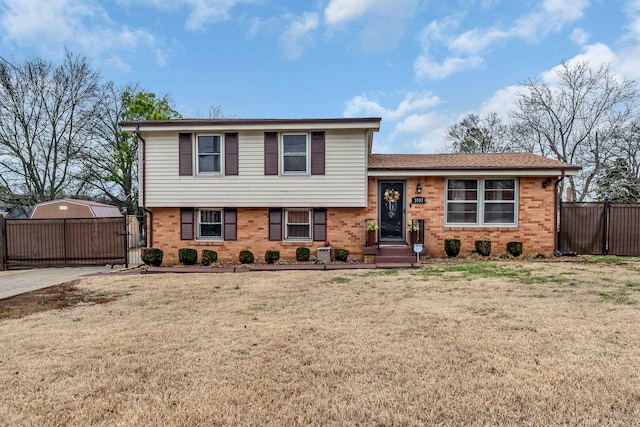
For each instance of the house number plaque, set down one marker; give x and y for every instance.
(417, 200)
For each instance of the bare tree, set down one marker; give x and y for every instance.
(575, 119)
(113, 162)
(619, 181)
(475, 134)
(47, 115)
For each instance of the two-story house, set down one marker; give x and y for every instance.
(258, 184)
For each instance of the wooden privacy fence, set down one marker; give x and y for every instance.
(600, 228)
(62, 242)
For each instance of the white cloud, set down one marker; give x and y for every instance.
(415, 127)
(299, 30)
(465, 49)
(361, 105)
(81, 25)
(579, 36)
(477, 40)
(426, 67)
(342, 11)
(204, 12)
(383, 21)
(502, 101)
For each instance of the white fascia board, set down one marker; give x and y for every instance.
(475, 173)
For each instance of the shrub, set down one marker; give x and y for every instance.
(341, 254)
(514, 248)
(209, 257)
(452, 247)
(246, 257)
(303, 254)
(187, 256)
(271, 257)
(483, 247)
(152, 256)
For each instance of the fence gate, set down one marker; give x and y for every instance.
(600, 228)
(63, 242)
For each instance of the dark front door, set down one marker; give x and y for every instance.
(391, 208)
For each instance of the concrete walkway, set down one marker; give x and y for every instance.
(15, 282)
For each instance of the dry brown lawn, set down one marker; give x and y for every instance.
(508, 343)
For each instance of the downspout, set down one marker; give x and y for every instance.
(143, 184)
(556, 213)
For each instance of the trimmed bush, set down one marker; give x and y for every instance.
(452, 247)
(303, 254)
(152, 256)
(271, 257)
(483, 247)
(514, 248)
(341, 254)
(209, 257)
(246, 257)
(187, 256)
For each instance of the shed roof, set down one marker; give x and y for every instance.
(99, 210)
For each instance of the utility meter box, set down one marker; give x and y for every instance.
(324, 254)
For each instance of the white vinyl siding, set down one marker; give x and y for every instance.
(485, 202)
(344, 183)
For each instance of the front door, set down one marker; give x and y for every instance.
(391, 208)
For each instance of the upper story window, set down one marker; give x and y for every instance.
(481, 202)
(295, 154)
(209, 154)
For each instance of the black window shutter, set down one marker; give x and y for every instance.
(275, 224)
(231, 154)
(317, 153)
(230, 221)
(185, 154)
(319, 224)
(186, 224)
(271, 153)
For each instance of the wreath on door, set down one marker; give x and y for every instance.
(391, 197)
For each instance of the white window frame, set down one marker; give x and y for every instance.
(283, 154)
(513, 202)
(481, 202)
(220, 154)
(309, 223)
(199, 222)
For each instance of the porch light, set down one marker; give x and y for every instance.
(418, 188)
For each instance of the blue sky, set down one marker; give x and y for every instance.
(420, 65)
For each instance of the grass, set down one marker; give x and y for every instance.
(450, 344)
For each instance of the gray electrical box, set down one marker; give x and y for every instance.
(324, 254)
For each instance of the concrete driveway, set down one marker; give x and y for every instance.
(15, 282)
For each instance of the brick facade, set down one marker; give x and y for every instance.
(535, 227)
(345, 229)
(346, 226)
